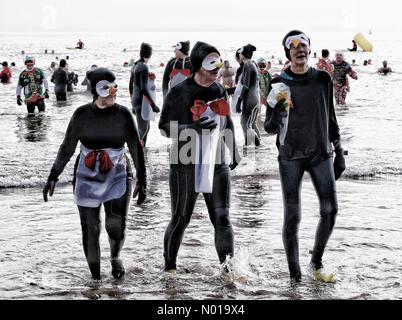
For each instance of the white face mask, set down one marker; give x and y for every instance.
(105, 88)
(296, 40)
(212, 62)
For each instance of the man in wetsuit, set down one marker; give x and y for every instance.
(178, 68)
(248, 103)
(183, 121)
(31, 81)
(60, 80)
(86, 81)
(140, 90)
(102, 172)
(304, 136)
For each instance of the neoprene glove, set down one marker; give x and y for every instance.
(48, 189)
(140, 190)
(19, 100)
(47, 94)
(339, 163)
(155, 108)
(204, 123)
(279, 112)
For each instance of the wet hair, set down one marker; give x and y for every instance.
(325, 53)
(62, 63)
(5, 64)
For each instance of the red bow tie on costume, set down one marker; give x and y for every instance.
(152, 76)
(219, 106)
(184, 72)
(105, 164)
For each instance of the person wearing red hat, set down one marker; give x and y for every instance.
(102, 172)
(178, 68)
(196, 116)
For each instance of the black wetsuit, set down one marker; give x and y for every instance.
(97, 128)
(304, 144)
(239, 71)
(139, 89)
(59, 78)
(173, 63)
(176, 108)
(250, 96)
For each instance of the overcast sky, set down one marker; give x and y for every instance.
(186, 15)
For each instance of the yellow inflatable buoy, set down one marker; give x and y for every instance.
(363, 43)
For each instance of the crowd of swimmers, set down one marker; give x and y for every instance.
(197, 116)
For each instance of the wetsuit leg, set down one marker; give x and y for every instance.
(218, 203)
(291, 173)
(250, 130)
(31, 108)
(61, 96)
(41, 105)
(323, 179)
(143, 125)
(116, 213)
(91, 225)
(183, 197)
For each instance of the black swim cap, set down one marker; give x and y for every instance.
(183, 46)
(289, 34)
(247, 50)
(97, 75)
(146, 50)
(199, 52)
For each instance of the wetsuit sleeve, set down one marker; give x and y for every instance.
(334, 134)
(245, 82)
(168, 122)
(66, 150)
(135, 148)
(131, 83)
(166, 78)
(164, 121)
(85, 81)
(52, 78)
(231, 143)
(144, 84)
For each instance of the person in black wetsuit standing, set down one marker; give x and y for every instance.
(183, 121)
(60, 80)
(248, 103)
(140, 90)
(305, 133)
(102, 173)
(178, 68)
